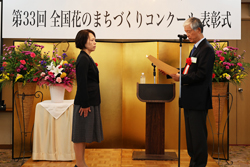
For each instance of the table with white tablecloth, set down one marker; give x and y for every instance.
(52, 131)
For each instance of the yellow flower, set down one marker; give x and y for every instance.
(65, 62)
(225, 75)
(18, 77)
(4, 77)
(63, 75)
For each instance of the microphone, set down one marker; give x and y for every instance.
(184, 36)
(154, 73)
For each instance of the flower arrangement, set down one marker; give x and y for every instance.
(56, 71)
(228, 65)
(19, 62)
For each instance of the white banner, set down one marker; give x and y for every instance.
(119, 19)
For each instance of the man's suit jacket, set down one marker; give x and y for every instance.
(196, 89)
(87, 77)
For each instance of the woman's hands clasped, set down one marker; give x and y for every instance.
(84, 111)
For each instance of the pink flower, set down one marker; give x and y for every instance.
(47, 77)
(4, 64)
(24, 68)
(23, 61)
(227, 67)
(42, 74)
(50, 73)
(18, 70)
(35, 79)
(218, 52)
(228, 77)
(239, 64)
(11, 47)
(225, 49)
(58, 79)
(32, 54)
(222, 58)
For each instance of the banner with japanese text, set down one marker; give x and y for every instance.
(119, 19)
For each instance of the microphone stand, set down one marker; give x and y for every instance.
(154, 73)
(179, 133)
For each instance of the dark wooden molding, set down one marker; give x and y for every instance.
(7, 110)
(5, 146)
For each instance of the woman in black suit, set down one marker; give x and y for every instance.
(87, 125)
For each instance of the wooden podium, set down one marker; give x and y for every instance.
(155, 96)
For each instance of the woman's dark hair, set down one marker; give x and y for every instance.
(82, 38)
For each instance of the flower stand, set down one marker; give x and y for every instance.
(23, 101)
(220, 96)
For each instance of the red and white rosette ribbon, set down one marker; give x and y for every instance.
(189, 62)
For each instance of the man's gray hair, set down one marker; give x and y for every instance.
(194, 23)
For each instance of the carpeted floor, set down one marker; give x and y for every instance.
(239, 156)
(6, 159)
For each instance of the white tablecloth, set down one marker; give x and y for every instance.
(52, 137)
(56, 109)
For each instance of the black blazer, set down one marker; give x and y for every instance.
(196, 89)
(87, 77)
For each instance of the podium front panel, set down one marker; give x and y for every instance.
(156, 92)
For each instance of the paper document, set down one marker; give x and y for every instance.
(162, 66)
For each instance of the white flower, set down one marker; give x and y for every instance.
(61, 63)
(51, 66)
(56, 70)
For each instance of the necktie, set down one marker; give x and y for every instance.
(192, 51)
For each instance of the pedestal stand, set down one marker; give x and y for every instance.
(220, 133)
(23, 131)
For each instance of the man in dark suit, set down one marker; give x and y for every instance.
(196, 91)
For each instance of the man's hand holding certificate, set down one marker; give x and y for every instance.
(167, 69)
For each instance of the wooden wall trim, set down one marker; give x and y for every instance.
(5, 146)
